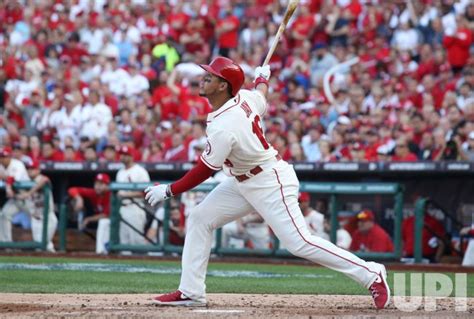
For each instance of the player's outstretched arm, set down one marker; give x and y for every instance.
(262, 75)
(161, 192)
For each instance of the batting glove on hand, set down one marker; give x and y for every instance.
(156, 194)
(263, 72)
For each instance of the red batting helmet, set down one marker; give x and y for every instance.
(228, 70)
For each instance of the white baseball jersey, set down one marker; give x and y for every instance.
(236, 143)
(136, 84)
(134, 174)
(130, 211)
(66, 124)
(235, 138)
(17, 170)
(95, 120)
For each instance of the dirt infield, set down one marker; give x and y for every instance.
(220, 306)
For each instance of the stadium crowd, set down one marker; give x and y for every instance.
(79, 79)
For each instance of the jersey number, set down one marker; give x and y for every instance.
(257, 130)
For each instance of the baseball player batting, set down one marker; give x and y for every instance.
(261, 182)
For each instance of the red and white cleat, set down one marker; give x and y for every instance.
(177, 298)
(380, 290)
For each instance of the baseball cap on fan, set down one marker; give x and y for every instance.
(366, 214)
(5, 151)
(125, 150)
(304, 197)
(104, 178)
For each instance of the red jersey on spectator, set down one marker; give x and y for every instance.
(16, 117)
(432, 228)
(458, 47)
(369, 26)
(101, 203)
(229, 39)
(75, 52)
(375, 240)
(165, 98)
(177, 22)
(410, 157)
(355, 8)
(112, 101)
(12, 13)
(302, 26)
(197, 107)
(425, 68)
(56, 156)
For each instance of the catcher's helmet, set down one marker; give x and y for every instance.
(228, 70)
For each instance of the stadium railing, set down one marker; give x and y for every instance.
(334, 190)
(31, 244)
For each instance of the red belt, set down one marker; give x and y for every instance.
(254, 171)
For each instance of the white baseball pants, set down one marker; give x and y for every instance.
(274, 195)
(11, 207)
(37, 230)
(135, 216)
(102, 235)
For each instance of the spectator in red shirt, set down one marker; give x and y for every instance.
(227, 32)
(177, 229)
(99, 198)
(49, 153)
(71, 155)
(357, 152)
(177, 152)
(302, 26)
(457, 45)
(74, 49)
(177, 20)
(419, 127)
(431, 238)
(402, 152)
(197, 106)
(370, 237)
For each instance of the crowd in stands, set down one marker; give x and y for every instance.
(79, 79)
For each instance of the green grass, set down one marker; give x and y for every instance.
(69, 281)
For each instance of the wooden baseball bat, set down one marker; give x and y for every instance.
(289, 12)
